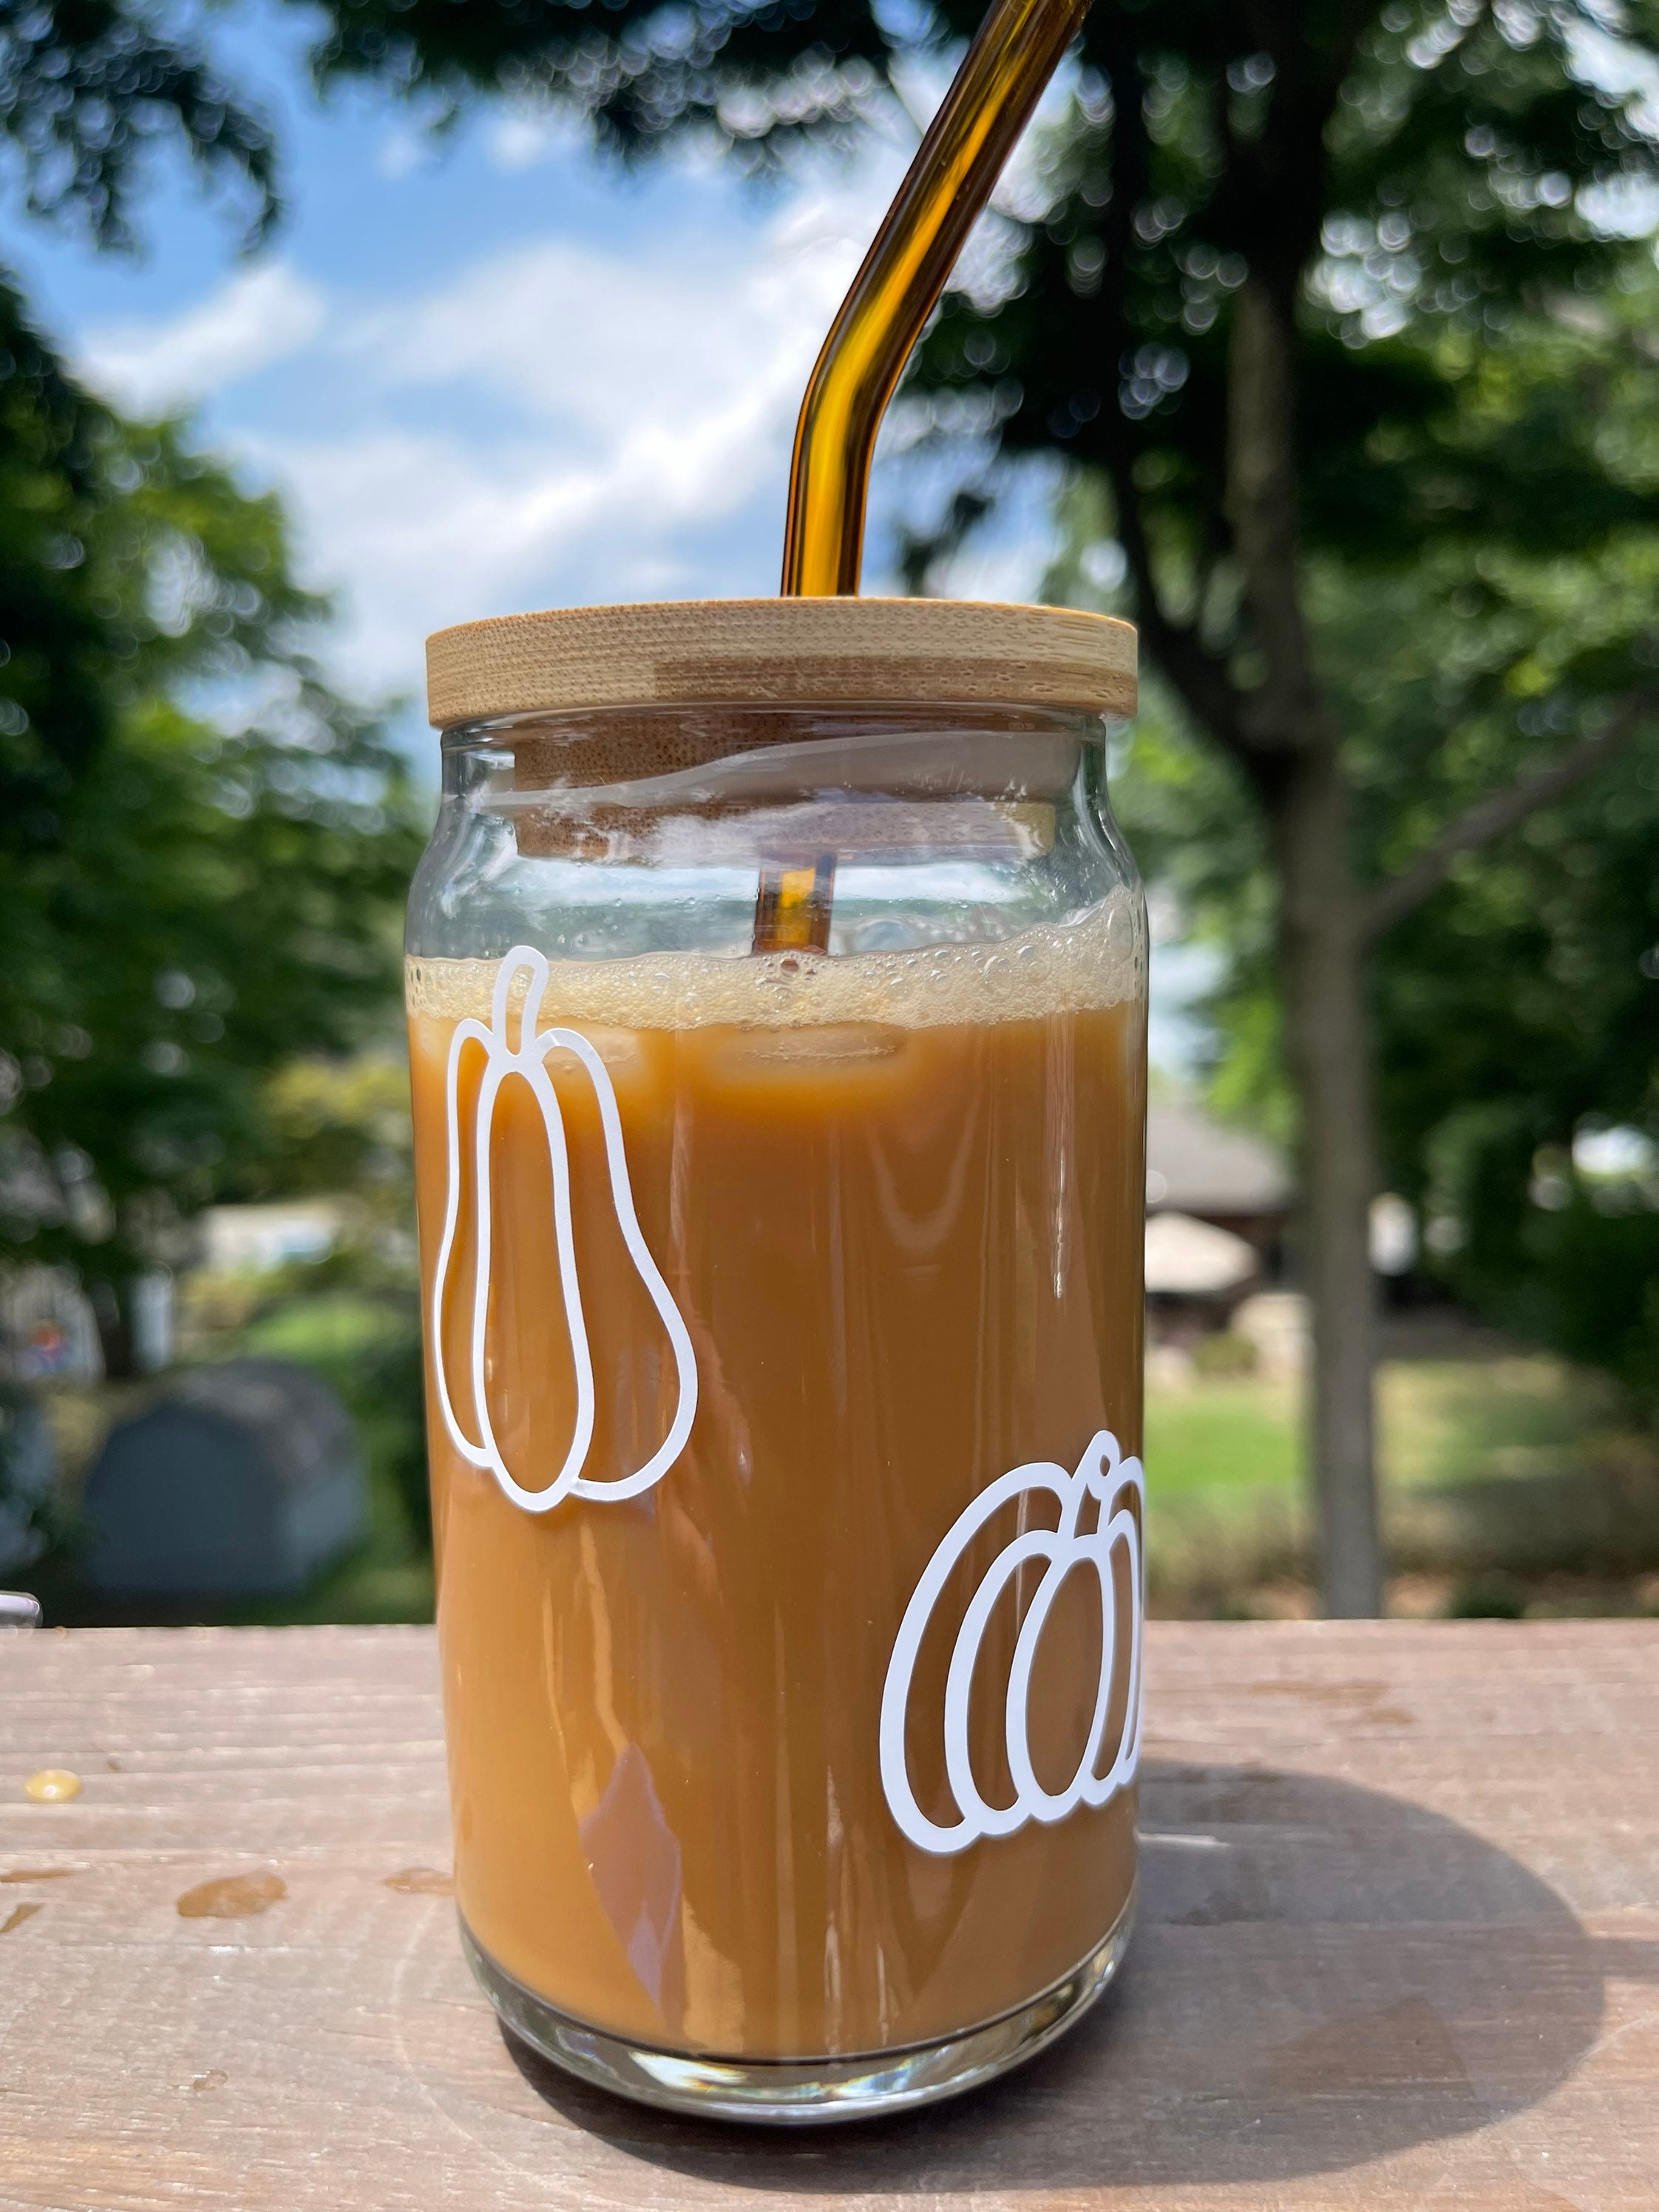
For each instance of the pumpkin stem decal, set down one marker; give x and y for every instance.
(1102, 1475)
(529, 1061)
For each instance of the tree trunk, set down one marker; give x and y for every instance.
(1292, 747)
(1328, 1046)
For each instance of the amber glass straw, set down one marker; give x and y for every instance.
(1017, 49)
(1001, 79)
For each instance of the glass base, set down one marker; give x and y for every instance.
(807, 2092)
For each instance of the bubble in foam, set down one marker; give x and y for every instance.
(1099, 960)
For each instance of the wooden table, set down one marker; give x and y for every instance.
(1399, 1948)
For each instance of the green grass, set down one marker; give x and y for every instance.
(1450, 1421)
(1224, 1495)
(1440, 1421)
(1223, 1436)
(1518, 1465)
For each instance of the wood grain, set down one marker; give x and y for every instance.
(1400, 1949)
(773, 652)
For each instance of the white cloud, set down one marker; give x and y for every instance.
(526, 137)
(549, 425)
(402, 152)
(586, 422)
(259, 317)
(595, 341)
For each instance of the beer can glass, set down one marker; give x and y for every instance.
(777, 983)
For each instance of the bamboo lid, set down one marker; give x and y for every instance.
(781, 652)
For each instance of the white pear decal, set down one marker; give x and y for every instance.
(530, 1062)
(1101, 1475)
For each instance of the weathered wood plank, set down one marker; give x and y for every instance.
(1400, 1947)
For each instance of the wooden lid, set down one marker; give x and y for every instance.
(781, 652)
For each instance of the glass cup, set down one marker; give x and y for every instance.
(777, 983)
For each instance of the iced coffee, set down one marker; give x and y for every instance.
(784, 1347)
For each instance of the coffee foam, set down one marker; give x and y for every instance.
(1069, 967)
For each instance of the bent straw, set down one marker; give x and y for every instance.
(1017, 49)
(1002, 74)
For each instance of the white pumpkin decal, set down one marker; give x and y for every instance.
(529, 1061)
(1101, 1475)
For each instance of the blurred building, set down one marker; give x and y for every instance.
(1218, 1204)
(1196, 1274)
(1235, 1182)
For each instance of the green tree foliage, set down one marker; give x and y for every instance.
(87, 89)
(757, 78)
(340, 1125)
(1515, 1006)
(204, 849)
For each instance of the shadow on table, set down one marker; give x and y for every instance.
(1323, 1975)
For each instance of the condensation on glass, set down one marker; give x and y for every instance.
(777, 983)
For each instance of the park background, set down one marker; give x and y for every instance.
(1321, 340)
